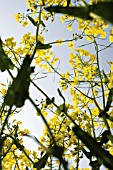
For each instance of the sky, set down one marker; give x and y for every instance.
(8, 28)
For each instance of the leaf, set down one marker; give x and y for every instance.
(18, 92)
(56, 151)
(95, 165)
(32, 21)
(106, 78)
(62, 108)
(102, 9)
(88, 154)
(43, 46)
(60, 94)
(41, 162)
(18, 145)
(109, 100)
(2, 139)
(5, 61)
(49, 101)
(101, 154)
(68, 3)
(80, 12)
(103, 113)
(105, 138)
(42, 23)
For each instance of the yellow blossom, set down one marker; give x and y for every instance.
(69, 27)
(95, 111)
(74, 81)
(71, 44)
(63, 18)
(44, 113)
(48, 58)
(111, 150)
(24, 23)
(3, 91)
(72, 56)
(67, 74)
(17, 17)
(111, 38)
(38, 60)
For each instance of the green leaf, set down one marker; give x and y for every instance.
(18, 145)
(5, 61)
(104, 10)
(43, 46)
(95, 165)
(62, 108)
(32, 21)
(49, 101)
(80, 12)
(109, 100)
(101, 9)
(105, 77)
(105, 137)
(41, 162)
(56, 151)
(18, 92)
(94, 147)
(42, 23)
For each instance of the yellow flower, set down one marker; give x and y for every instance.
(24, 23)
(102, 34)
(69, 27)
(111, 80)
(53, 62)
(111, 68)
(3, 91)
(72, 56)
(25, 131)
(71, 44)
(63, 18)
(66, 75)
(111, 38)
(17, 17)
(38, 60)
(48, 58)
(74, 82)
(89, 38)
(111, 150)
(10, 42)
(44, 113)
(95, 111)
(92, 57)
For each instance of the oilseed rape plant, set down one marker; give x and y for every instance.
(78, 121)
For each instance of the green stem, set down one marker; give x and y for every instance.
(103, 96)
(43, 118)
(6, 119)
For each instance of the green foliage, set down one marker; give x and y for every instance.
(41, 162)
(42, 46)
(5, 62)
(102, 9)
(18, 92)
(32, 21)
(103, 156)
